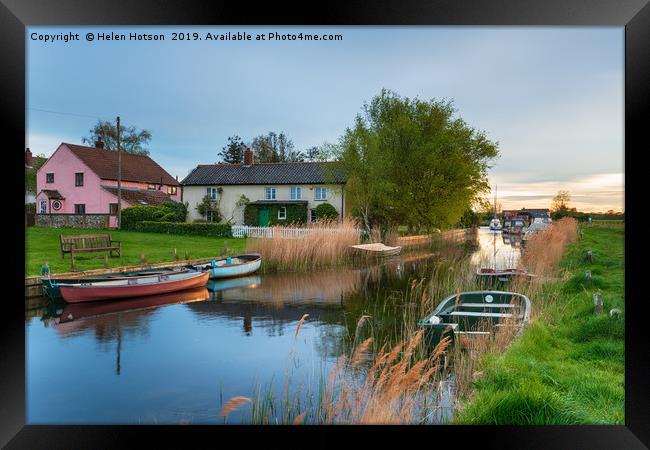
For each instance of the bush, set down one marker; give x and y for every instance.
(179, 208)
(326, 211)
(30, 208)
(133, 215)
(198, 229)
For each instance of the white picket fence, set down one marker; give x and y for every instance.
(240, 231)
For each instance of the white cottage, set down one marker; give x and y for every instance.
(262, 194)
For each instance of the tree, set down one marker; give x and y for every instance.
(273, 148)
(233, 152)
(411, 162)
(561, 201)
(323, 152)
(131, 140)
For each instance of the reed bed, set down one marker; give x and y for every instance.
(326, 244)
(389, 375)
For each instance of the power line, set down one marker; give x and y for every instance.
(64, 113)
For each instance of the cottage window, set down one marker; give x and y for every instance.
(79, 179)
(49, 177)
(212, 193)
(80, 208)
(320, 193)
(42, 207)
(171, 190)
(112, 209)
(296, 193)
(312, 213)
(209, 215)
(269, 193)
(282, 213)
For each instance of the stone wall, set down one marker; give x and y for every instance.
(93, 221)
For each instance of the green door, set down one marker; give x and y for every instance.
(264, 217)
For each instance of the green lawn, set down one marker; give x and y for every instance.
(568, 366)
(42, 244)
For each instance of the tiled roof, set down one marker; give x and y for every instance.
(138, 168)
(53, 193)
(265, 173)
(150, 197)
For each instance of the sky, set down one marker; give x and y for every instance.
(552, 97)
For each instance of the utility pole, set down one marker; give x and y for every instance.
(119, 178)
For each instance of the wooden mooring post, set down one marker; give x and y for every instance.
(598, 303)
(589, 256)
(588, 275)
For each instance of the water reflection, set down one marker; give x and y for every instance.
(168, 359)
(497, 250)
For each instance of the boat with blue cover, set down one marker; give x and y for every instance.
(468, 316)
(229, 267)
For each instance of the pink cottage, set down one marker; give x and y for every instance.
(83, 180)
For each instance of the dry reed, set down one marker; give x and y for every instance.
(325, 243)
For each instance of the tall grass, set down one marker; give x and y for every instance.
(326, 244)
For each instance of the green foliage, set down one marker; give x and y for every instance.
(296, 214)
(233, 152)
(206, 205)
(131, 140)
(411, 162)
(30, 174)
(30, 208)
(199, 229)
(179, 208)
(326, 211)
(132, 215)
(274, 147)
(469, 219)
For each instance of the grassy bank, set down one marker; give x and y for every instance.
(42, 244)
(568, 366)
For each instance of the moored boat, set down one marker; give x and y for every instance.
(489, 275)
(132, 287)
(467, 316)
(52, 285)
(377, 249)
(76, 311)
(229, 267)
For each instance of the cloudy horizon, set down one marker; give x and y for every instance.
(551, 96)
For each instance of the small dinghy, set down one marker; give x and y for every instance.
(236, 266)
(377, 249)
(132, 286)
(51, 285)
(468, 316)
(488, 275)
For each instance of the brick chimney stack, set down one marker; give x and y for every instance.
(248, 157)
(99, 143)
(28, 157)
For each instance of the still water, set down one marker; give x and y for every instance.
(177, 358)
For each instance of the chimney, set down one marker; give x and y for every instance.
(248, 157)
(99, 143)
(28, 157)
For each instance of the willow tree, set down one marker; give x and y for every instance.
(413, 162)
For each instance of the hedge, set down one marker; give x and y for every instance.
(199, 229)
(326, 211)
(132, 215)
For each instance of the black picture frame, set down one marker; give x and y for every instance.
(634, 15)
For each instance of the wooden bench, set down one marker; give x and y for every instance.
(85, 243)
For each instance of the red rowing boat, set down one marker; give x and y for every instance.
(132, 287)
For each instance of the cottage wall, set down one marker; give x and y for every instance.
(232, 193)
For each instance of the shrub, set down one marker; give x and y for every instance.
(198, 229)
(30, 208)
(179, 208)
(325, 211)
(132, 215)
